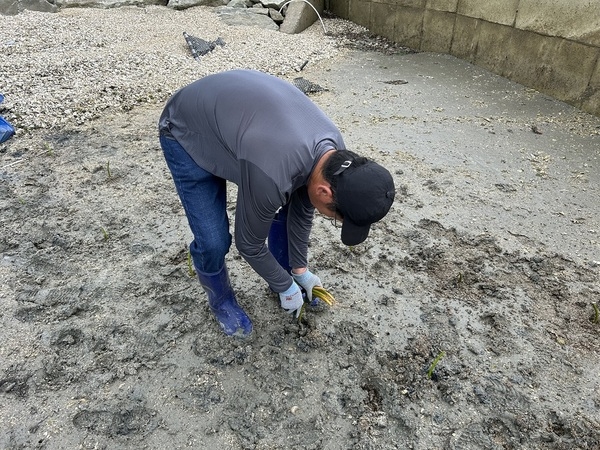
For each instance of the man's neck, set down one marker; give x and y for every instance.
(316, 177)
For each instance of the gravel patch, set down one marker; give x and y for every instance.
(74, 66)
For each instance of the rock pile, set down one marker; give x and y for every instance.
(262, 13)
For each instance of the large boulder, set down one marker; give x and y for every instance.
(245, 16)
(300, 15)
(13, 7)
(105, 3)
(275, 4)
(185, 4)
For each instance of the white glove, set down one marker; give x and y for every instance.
(291, 300)
(308, 281)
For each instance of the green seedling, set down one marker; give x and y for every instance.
(191, 271)
(104, 233)
(435, 362)
(596, 318)
(48, 149)
(302, 313)
(108, 173)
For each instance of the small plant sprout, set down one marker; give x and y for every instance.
(190, 264)
(104, 233)
(302, 313)
(596, 316)
(108, 173)
(435, 362)
(48, 149)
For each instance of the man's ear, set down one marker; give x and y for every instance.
(324, 191)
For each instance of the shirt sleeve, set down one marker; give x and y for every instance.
(258, 200)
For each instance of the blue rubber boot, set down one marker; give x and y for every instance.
(278, 239)
(231, 317)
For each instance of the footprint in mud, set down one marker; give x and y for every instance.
(499, 334)
(16, 385)
(46, 264)
(565, 431)
(137, 420)
(30, 314)
(67, 337)
(127, 343)
(500, 395)
(201, 398)
(489, 434)
(50, 297)
(233, 354)
(58, 303)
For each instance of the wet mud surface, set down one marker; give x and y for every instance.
(466, 321)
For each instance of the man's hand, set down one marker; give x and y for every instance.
(291, 300)
(308, 281)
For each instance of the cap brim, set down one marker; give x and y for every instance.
(354, 234)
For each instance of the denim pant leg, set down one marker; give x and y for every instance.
(278, 239)
(203, 197)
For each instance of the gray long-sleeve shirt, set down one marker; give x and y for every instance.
(266, 136)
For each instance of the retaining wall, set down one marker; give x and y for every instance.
(549, 45)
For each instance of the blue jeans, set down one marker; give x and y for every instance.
(204, 201)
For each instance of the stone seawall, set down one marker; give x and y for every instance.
(549, 45)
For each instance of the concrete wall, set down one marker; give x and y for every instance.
(549, 45)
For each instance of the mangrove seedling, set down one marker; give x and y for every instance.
(104, 233)
(317, 292)
(302, 313)
(596, 316)
(191, 271)
(435, 362)
(323, 294)
(108, 174)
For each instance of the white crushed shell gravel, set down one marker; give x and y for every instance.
(67, 68)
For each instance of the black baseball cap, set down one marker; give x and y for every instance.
(364, 195)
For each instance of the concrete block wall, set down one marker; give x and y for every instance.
(549, 45)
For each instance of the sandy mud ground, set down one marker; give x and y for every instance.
(488, 265)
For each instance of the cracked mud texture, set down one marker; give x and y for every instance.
(490, 255)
